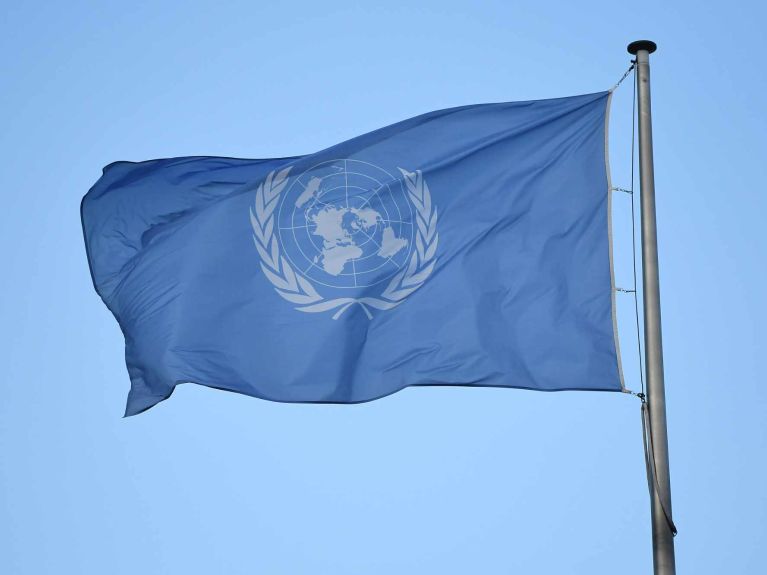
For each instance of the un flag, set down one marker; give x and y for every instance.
(467, 246)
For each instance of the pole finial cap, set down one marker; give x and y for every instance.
(648, 45)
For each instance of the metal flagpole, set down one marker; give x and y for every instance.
(662, 526)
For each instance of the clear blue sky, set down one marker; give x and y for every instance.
(430, 480)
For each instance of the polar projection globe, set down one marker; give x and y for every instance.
(346, 224)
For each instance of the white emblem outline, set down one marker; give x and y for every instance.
(296, 289)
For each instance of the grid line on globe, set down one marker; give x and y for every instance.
(346, 224)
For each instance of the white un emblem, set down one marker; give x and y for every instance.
(345, 232)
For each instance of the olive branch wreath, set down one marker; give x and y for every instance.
(298, 290)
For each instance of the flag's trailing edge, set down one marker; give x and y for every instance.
(468, 246)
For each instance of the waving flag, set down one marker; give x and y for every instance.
(467, 246)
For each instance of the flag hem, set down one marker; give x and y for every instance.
(131, 410)
(610, 242)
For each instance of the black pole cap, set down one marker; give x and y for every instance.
(648, 45)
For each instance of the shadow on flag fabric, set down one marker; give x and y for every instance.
(468, 246)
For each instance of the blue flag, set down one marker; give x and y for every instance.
(467, 246)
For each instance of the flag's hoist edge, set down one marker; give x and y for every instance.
(613, 289)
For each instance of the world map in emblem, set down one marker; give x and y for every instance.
(346, 224)
(345, 234)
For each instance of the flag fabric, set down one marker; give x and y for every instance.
(467, 246)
